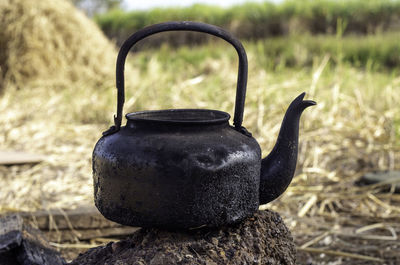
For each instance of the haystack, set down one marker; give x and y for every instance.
(51, 41)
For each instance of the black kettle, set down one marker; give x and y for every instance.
(189, 168)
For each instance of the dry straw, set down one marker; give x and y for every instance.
(55, 64)
(50, 41)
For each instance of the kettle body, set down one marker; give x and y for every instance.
(176, 173)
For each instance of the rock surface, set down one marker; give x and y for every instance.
(21, 244)
(261, 239)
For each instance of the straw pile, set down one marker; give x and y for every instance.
(55, 65)
(51, 42)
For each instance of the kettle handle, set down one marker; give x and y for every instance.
(183, 26)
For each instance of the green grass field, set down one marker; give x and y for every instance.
(260, 20)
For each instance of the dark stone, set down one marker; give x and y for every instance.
(21, 244)
(260, 239)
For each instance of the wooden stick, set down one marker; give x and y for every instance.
(313, 199)
(85, 246)
(17, 158)
(316, 239)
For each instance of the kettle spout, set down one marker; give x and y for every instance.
(277, 169)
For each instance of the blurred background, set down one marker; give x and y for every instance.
(57, 67)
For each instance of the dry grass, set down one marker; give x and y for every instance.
(347, 133)
(353, 129)
(50, 42)
(48, 51)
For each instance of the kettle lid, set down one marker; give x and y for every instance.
(180, 116)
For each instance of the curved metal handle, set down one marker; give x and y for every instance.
(183, 26)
